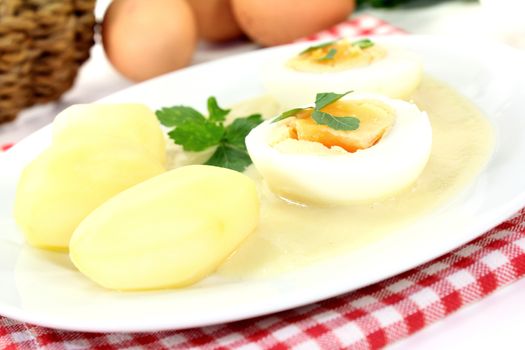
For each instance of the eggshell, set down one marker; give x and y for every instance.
(275, 22)
(143, 39)
(215, 20)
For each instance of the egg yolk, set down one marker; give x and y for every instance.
(340, 55)
(375, 119)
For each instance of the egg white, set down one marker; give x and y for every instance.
(309, 172)
(397, 76)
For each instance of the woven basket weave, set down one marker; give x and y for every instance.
(42, 45)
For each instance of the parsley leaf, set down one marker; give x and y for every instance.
(323, 99)
(216, 113)
(194, 132)
(232, 152)
(315, 47)
(329, 56)
(336, 123)
(237, 131)
(178, 115)
(231, 157)
(363, 43)
(287, 114)
(197, 136)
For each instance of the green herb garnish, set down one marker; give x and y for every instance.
(315, 47)
(287, 114)
(322, 100)
(216, 113)
(177, 115)
(197, 135)
(227, 156)
(336, 123)
(194, 132)
(363, 43)
(329, 55)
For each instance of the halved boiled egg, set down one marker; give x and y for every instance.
(308, 162)
(293, 77)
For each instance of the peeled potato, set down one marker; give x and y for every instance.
(64, 184)
(169, 231)
(133, 123)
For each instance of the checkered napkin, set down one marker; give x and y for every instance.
(368, 318)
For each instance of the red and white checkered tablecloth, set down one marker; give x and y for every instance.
(368, 318)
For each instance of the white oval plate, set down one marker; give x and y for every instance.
(43, 287)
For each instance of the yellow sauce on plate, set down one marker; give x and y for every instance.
(290, 236)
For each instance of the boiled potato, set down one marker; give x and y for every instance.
(169, 231)
(134, 123)
(64, 184)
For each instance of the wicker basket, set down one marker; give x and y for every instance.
(42, 45)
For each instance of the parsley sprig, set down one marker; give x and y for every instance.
(194, 132)
(330, 55)
(318, 46)
(322, 100)
(363, 43)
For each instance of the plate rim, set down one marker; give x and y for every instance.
(483, 225)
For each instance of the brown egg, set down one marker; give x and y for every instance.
(143, 39)
(215, 20)
(274, 22)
